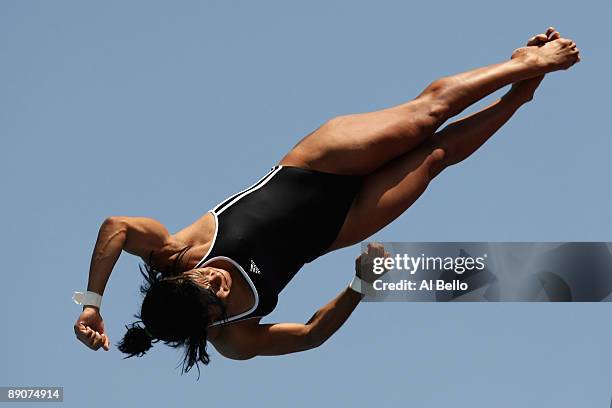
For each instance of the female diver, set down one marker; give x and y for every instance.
(215, 279)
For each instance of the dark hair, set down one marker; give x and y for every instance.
(174, 310)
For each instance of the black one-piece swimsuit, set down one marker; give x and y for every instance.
(270, 230)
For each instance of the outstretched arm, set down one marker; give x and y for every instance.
(284, 338)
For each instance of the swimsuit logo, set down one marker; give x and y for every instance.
(254, 268)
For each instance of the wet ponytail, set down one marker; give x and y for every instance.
(137, 341)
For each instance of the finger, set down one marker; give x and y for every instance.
(82, 340)
(106, 343)
(373, 247)
(87, 342)
(81, 335)
(97, 341)
(92, 343)
(87, 337)
(91, 336)
(378, 249)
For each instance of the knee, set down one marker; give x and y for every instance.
(440, 157)
(436, 162)
(336, 124)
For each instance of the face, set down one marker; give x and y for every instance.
(217, 280)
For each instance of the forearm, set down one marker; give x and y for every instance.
(328, 319)
(109, 245)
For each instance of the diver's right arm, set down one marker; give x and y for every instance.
(136, 235)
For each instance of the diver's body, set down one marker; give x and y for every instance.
(393, 153)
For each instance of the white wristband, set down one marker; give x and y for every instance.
(87, 299)
(359, 285)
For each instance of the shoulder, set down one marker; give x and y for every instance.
(200, 232)
(233, 339)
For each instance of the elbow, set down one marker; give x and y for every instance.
(114, 222)
(314, 338)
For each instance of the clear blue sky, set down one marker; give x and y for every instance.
(162, 109)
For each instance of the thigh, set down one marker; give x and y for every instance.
(361, 143)
(388, 192)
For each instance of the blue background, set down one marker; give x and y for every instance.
(163, 109)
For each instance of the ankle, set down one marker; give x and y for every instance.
(528, 64)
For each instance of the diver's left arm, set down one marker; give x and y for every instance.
(284, 338)
(328, 319)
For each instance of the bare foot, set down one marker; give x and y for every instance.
(555, 55)
(527, 87)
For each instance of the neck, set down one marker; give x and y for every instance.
(240, 297)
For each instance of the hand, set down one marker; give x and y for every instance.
(89, 329)
(364, 264)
